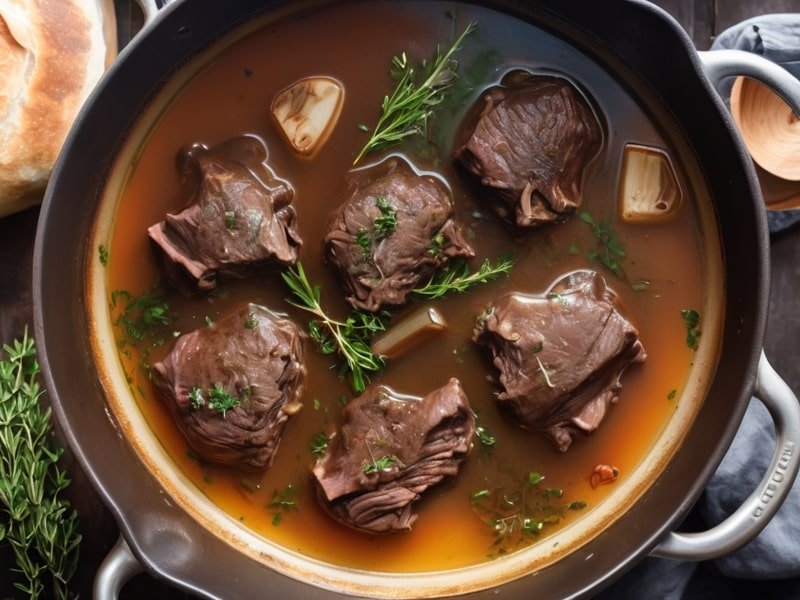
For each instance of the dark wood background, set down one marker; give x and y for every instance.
(702, 19)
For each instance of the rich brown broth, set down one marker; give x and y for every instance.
(355, 45)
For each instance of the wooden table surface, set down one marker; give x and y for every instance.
(702, 19)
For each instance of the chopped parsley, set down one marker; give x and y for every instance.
(691, 319)
(282, 501)
(250, 322)
(672, 394)
(387, 222)
(381, 464)
(103, 252)
(142, 322)
(436, 246)
(216, 398)
(364, 242)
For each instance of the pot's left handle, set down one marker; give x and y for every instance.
(117, 568)
(762, 504)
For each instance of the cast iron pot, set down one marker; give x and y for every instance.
(165, 538)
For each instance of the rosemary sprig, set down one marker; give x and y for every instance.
(350, 339)
(36, 523)
(456, 277)
(406, 111)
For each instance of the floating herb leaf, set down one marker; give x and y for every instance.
(691, 319)
(319, 443)
(282, 501)
(486, 439)
(103, 252)
(610, 251)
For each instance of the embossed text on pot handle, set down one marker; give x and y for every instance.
(759, 508)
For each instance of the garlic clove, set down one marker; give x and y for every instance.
(306, 112)
(649, 190)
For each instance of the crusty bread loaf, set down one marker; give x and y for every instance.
(52, 53)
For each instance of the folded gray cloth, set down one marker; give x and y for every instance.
(775, 553)
(777, 38)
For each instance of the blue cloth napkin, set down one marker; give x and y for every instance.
(769, 566)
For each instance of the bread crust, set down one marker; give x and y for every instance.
(52, 52)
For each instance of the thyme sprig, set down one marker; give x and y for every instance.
(406, 110)
(35, 521)
(350, 339)
(456, 277)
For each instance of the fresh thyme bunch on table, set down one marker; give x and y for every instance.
(34, 521)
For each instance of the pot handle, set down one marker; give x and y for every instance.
(116, 569)
(759, 508)
(150, 9)
(719, 64)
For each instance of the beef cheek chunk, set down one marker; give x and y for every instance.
(390, 235)
(389, 450)
(232, 386)
(239, 219)
(560, 356)
(529, 141)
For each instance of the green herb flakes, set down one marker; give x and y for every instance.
(386, 223)
(230, 220)
(381, 464)
(610, 251)
(518, 512)
(282, 501)
(319, 443)
(251, 322)
(672, 394)
(691, 319)
(103, 252)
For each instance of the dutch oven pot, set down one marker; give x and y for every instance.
(162, 537)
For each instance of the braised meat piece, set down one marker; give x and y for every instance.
(529, 141)
(232, 386)
(390, 235)
(390, 449)
(239, 219)
(560, 356)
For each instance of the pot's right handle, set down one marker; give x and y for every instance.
(719, 64)
(759, 508)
